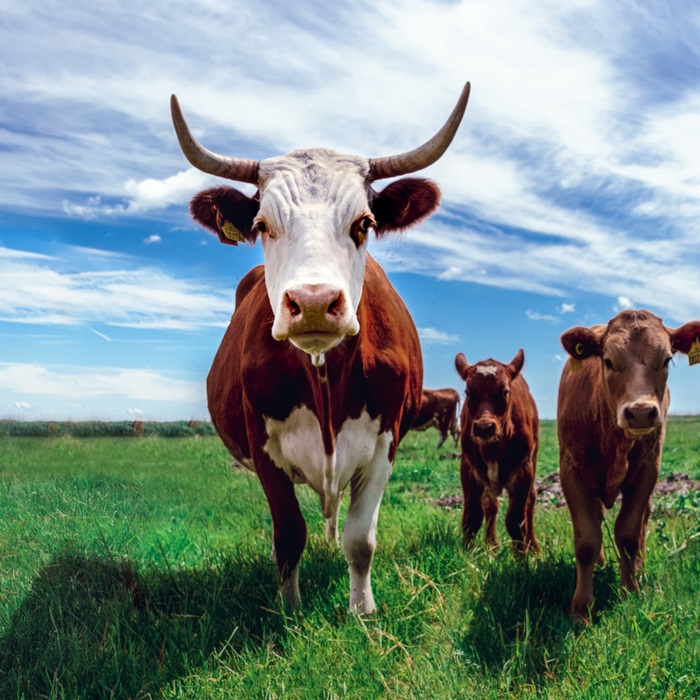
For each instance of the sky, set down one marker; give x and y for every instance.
(571, 191)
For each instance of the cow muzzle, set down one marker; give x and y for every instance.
(315, 318)
(485, 430)
(639, 417)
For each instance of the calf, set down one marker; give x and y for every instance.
(319, 374)
(500, 438)
(438, 409)
(611, 418)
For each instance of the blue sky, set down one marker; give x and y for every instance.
(572, 189)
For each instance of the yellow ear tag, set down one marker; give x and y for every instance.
(574, 364)
(694, 353)
(232, 233)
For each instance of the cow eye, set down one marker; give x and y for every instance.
(667, 361)
(608, 363)
(261, 226)
(360, 229)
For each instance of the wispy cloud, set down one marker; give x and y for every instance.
(537, 316)
(437, 337)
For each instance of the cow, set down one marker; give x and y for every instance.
(500, 439)
(439, 409)
(319, 374)
(611, 418)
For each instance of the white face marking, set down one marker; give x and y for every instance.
(309, 201)
(487, 370)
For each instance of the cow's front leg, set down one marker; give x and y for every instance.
(331, 528)
(473, 514)
(489, 502)
(360, 528)
(630, 537)
(289, 528)
(587, 517)
(519, 517)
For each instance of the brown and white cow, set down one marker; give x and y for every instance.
(611, 420)
(319, 374)
(438, 409)
(500, 439)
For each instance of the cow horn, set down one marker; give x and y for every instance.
(425, 155)
(239, 169)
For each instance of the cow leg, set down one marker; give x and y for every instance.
(519, 517)
(441, 441)
(489, 502)
(332, 523)
(630, 537)
(360, 528)
(289, 530)
(473, 514)
(587, 517)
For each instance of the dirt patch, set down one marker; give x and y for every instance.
(549, 492)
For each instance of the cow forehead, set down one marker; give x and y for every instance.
(638, 338)
(486, 378)
(313, 176)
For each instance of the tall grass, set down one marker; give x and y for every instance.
(140, 569)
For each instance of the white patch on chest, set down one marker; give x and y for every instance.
(486, 370)
(296, 446)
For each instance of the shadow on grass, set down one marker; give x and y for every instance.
(521, 617)
(94, 627)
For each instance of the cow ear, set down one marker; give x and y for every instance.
(403, 203)
(682, 338)
(461, 365)
(516, 364)
(581, 342)
(226, 212)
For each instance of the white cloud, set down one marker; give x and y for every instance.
(623, 303)
(138, 412)
(38, 291)
(537, 316)
(153, 238)
(567, 308)
(437, 337)
(79, 383)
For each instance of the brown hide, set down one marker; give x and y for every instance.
(255, 377)
(611, 418)
(439, 410)
(498, 396)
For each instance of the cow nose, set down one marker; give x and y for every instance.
(315, 302)
(641, 415)
(484, 429)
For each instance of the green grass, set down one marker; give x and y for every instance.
(139, 568)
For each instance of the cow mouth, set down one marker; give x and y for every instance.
(315, 342)
(490, 440)
(640, 432)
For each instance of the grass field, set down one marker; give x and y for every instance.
(139, 568)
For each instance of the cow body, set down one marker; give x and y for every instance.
(439, 409)
(500, 439)
(319, 374)
(611, 419)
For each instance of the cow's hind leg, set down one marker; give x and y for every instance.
(360, 528)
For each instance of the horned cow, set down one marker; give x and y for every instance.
(319, 374)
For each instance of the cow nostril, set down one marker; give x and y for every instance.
(653, 413)
(335, 308)
(292, 306)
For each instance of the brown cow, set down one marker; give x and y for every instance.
(611, 420)
(500, 438)
(438, 409)
(319, 374)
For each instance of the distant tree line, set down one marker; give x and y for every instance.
(175, 429)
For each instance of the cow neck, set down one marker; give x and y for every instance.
(322, 399)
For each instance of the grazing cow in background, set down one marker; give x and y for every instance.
(500, 438)
(319, 374)
(611, 420)
(438, 409)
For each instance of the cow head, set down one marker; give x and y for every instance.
(313, 211)
(634, 351)
(488, 397)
